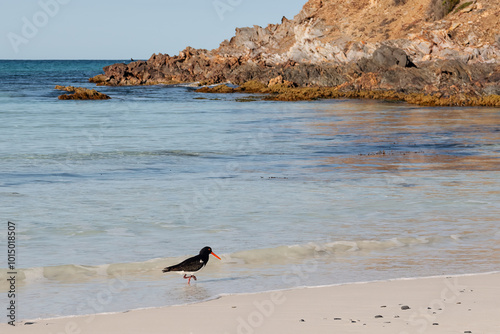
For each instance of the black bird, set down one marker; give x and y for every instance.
(193, 264)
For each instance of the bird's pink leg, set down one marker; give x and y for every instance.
(189, 278)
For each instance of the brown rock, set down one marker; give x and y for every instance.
(99, 79)
(79, 93)
(280, 81)
(355, 45)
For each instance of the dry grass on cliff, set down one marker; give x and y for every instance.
(381, 20)
(440, 8)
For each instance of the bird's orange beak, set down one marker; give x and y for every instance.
(215, 255)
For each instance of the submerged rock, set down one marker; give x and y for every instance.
(80, 93)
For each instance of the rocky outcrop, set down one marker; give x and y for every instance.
(341, 32)
(387, 56)
(399, 45)
(79, 93)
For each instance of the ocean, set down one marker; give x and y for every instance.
(104, 194)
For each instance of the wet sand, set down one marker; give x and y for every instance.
(448, 304)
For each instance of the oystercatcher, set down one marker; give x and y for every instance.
(193, 264)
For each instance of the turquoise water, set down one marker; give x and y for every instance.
(105, 194)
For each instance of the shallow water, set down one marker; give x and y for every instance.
(105, 194)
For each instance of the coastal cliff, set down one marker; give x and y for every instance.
(444, 47)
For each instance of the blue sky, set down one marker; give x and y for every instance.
(105, 29)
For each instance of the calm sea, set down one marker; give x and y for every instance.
(104, 194)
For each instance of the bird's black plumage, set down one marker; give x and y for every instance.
(194, 263)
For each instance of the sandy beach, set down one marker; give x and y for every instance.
(448, 304)
(340, 157)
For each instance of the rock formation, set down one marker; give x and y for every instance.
(79, 93)
(409, 46)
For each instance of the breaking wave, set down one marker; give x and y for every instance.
(281, 255)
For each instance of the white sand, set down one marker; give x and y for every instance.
(437, 305)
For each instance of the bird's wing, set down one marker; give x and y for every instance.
(190, 265)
